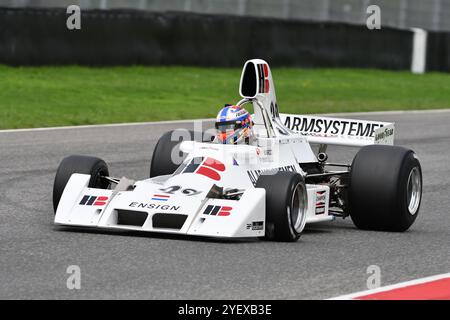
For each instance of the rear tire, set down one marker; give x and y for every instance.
(286, 205)
(385, 189)
(168, 144)
(79, 164)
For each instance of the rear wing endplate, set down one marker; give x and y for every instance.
(338, 131)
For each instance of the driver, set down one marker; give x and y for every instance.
(234, 125)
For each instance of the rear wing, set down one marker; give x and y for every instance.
(337, 131)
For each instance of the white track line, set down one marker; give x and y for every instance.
(391, 287)
(106, 125)
(369, 113)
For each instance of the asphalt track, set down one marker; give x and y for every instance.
(330, 259)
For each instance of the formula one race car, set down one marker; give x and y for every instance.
(269, 188)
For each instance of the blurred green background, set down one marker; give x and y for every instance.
(58, 96)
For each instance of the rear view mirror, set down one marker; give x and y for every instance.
(249, 86)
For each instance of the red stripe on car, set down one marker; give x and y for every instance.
(208, 173)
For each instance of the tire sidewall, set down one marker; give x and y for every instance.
(289, 205)
(279, 195)
(95, 167)
(406, 219)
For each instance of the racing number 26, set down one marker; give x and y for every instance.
(187, 191)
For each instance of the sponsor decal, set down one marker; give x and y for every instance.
(384, 134)
(254, 174)
(156, 206)
(217, 211)
(331, 127)
(255, 225)
(239, 113)
(209, 148)
(320, 208)
(263, 78)
(275, 114)
(179, 189)
(160, 197)
(88, 200)
(208, 167)
(321, 196)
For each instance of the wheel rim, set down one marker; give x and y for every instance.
(414, 190)
(299, 207)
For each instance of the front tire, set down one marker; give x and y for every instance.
(286, 205)
(385, 189)
(95, 167)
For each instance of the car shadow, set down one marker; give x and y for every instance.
(154, 235)
(317, 228)
(327, 227)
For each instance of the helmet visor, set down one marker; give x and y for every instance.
(228, 126)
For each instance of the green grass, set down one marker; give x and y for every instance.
(57, 96)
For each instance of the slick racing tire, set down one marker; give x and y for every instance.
(167, 155)
(286, 205)
(96, 167)
(385, 188)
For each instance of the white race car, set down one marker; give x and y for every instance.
(268, 189)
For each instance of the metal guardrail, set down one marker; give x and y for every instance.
(425, 14)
